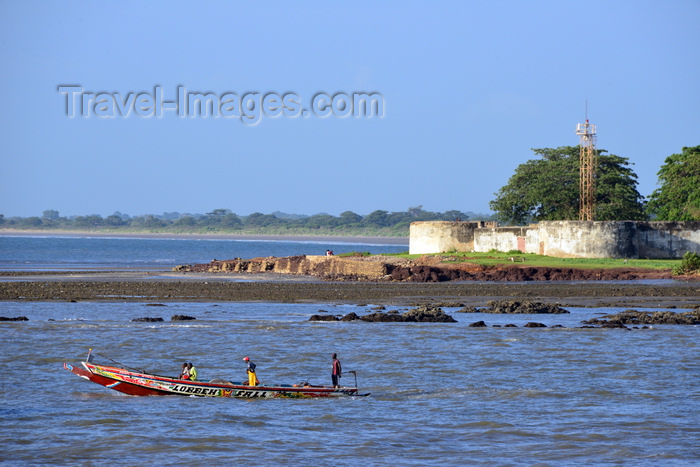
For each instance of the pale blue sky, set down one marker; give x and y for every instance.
(468, 87)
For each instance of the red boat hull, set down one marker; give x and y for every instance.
(142, 384)
(126, 388)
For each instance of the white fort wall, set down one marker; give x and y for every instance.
(442, 236)
(565, 239)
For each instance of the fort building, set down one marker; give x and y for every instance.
(563, 239)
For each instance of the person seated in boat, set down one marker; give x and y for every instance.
(185, 373)
(193, 372)
(252, 377)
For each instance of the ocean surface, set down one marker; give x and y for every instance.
(441, 393)
(137, 254)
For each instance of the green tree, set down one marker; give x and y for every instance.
(219, 212)
(415, 211)
(31, 222)
(114, 221)
(616, 192)
(215, 218)
(377, 218)
(349, 218)
(50, 214)
(548, 189)
(321, 221)
(148, 221)
(231, 220)
(187, 221)
(258, 219)
(454, 215)
(90, 221)
(678, 197)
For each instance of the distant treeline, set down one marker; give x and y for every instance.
(379, 222)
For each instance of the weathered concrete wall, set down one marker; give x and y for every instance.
(441, 236)
(667, 239)
(564, 239)
(501, 239)
(618, 239)
(585, 239)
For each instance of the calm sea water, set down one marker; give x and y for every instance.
(56, 253)
(441, 394)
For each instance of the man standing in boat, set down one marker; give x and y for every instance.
(337, 371)
(252, 378)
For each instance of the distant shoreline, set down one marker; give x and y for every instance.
(200, 236)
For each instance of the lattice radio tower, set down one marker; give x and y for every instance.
(589, 163)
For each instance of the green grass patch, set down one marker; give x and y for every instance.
(496, 258)
(354, 254)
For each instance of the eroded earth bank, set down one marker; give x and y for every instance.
(428, 268)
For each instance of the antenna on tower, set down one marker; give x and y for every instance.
(589, 164)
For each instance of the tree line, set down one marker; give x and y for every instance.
(378, 222)
(547, 188)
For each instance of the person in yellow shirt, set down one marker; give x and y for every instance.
(252, 377)
(193, 372)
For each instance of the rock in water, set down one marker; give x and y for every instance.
(323, 318)
(428, 314)
(525, 307)
(535, 325)
(422, 314)
(182, 318)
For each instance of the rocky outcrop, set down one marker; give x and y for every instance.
(147, 319)
(516, 306)
(324, 318)
(535, 325)
(15, 318)
(428, 314)
(644, 317)
(422, 314)
(469, 309)
(325, 267)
